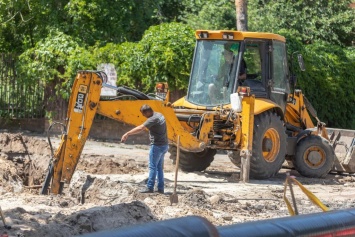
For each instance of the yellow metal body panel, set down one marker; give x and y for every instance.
(261, 105)
(207, 127)
(248, 104)
(238, 35)
(58, 166)
(81, 111)
(129, 112)
(297, 114)
(182, 102)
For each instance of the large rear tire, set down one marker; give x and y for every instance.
(314, 157)
(193, 161)
(269, 146)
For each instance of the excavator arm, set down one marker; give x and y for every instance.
(82, 108)
(85, 102)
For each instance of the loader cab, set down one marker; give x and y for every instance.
(212, 77)
(218, 63)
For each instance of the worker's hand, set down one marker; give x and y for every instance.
(124, 137)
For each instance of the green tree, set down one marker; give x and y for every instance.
(170, 10)
(329, 82)
(330, 21)
(163, 54)
(210, 15)
(110, 21)
(24, 22)
(167, 50)
(48, 60)
(241, 14)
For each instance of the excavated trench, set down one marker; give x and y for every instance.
(24, 161)
(23, 164)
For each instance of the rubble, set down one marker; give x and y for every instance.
(104, 191)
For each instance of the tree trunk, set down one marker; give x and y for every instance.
(241, 15)
(55, 105)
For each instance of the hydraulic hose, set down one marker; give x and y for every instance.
(128, 91)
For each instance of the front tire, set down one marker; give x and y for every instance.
(314, 157)
(234, 156)
(269, 146)
(193, 161)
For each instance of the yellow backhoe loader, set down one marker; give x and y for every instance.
(241, 99)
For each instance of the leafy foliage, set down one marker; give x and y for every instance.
(163, 54)
(210, 14)
(330, 21)
(58, 38)
(167, 55)
(110, 21)
(47, 60)
(329, 83)
(24, 23)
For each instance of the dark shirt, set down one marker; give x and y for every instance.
(157, 129)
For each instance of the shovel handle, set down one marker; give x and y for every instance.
(177, 162)
(3, 218)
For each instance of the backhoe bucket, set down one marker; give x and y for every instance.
(343, 142)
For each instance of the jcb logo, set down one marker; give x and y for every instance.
(82, 90)
(78, 107)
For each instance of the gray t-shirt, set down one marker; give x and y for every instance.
(157, 129)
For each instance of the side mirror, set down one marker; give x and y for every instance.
(301, 62)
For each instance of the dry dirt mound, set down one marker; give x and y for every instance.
(42, 223)
(23, 160)
(100, 164)
(100, 191)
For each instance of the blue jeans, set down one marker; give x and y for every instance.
(156, 165)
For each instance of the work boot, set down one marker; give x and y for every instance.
(146, 190)
(161, 191)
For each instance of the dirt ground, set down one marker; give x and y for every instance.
(104, 191)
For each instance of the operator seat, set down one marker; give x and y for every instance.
(256, 87)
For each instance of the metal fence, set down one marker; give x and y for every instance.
(18, 99)
(23, 99)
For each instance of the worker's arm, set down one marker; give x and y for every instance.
(135, 130)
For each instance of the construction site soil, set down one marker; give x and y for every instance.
(104, 192)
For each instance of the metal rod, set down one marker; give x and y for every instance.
(292, 194)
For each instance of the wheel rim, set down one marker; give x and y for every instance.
(271, 144)
(314, 157)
